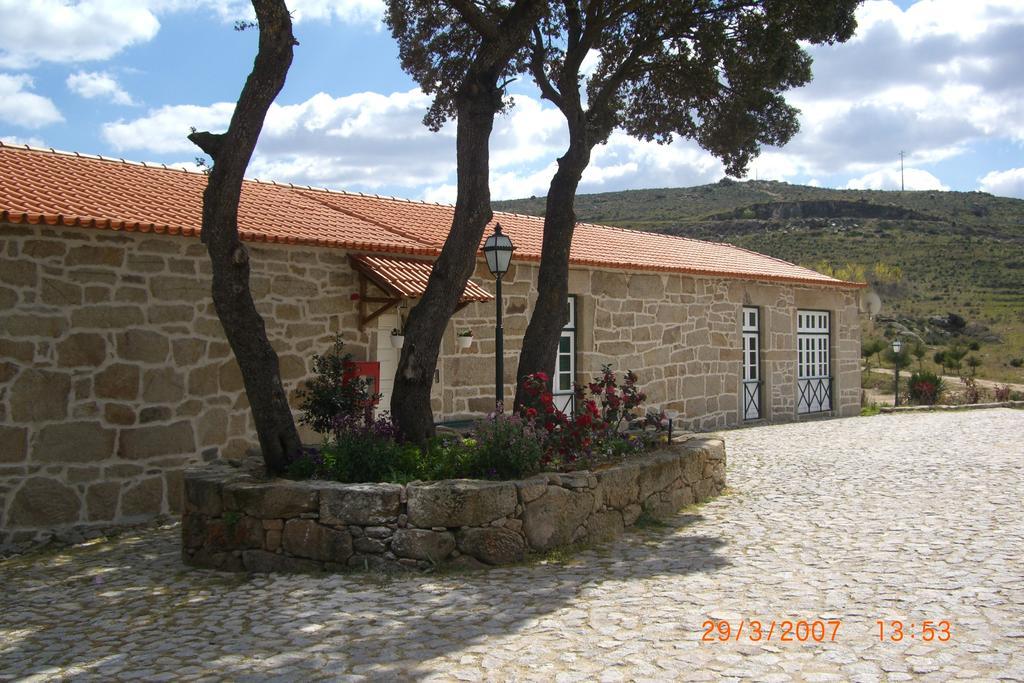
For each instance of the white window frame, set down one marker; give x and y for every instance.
(561, 394)
(814, 361)
(751, 363)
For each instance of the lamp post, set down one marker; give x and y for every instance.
(498, 250)
(897, 346)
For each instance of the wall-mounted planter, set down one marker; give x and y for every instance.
(236, 520)
(397, 340)
(464, 342)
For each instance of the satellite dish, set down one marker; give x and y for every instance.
(871, 304)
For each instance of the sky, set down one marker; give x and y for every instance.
(940, 80)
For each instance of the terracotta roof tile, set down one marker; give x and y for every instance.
(408, 277)
(57, 188)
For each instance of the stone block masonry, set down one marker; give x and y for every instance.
(237, 520)
(115, 374)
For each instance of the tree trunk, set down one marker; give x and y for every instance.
(540, 343)
(479, 101)
(232, 298)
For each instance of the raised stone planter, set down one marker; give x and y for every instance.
(236, 520)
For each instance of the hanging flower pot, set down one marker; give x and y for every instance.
(397, 339)
(464, 339)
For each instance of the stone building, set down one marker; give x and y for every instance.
(115, 374)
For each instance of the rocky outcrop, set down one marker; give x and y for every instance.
(236, 521)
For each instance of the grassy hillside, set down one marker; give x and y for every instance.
(959, 252)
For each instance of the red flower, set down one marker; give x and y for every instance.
(542, 376)
(531, 413)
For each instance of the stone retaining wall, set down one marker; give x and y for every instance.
(235, 520)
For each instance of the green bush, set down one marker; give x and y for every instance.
(925, 387)
(359, 451)
(507, 447)
(334, 392)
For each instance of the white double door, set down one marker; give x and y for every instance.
(814, 380)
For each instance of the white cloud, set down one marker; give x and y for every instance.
(93, 84)
(932, 80)
(889, 179)
(59, 31)
(16, 140)
(22, 108)
(365, 141)
(165, 130)
(87, 30)
(1009, 183)
(349, 11)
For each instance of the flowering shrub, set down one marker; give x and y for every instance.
(506, 446)
(1002, 393)
(925, 387)
(593, 433)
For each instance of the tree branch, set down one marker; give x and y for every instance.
(208, 142)
(537, 64)
(472, 15)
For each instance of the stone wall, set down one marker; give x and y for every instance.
(237, 521)
(680, 334)
(115, 374)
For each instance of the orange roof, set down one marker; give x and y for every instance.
(408, 277)
(59, 188)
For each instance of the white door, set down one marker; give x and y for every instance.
(388, 357)
(751, 363)
(564, 376)
(814, 380)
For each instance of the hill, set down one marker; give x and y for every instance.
(953, 252)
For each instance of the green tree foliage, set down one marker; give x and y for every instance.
(918, 350)
(869, 348)
(462, 53)
(954, 356)
(711, 71)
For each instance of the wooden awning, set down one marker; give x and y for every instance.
(399, 278)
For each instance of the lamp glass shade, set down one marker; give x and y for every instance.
(498, 251)
(897, 346)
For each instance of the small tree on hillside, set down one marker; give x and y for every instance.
(461, 52)
(869, 348)
(713, 72)
(919, 351)
(954, 356)
(973, 362)
(229, 258)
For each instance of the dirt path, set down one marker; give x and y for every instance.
(953, 382)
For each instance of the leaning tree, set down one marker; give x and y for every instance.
(461, 52)
(713, 71)
(229, 258)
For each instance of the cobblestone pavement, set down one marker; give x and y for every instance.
(896, 517)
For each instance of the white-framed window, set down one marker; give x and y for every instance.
(751, 383)
(564, 376)
(813, 362)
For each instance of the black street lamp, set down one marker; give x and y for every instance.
(498, 251)
(897, 346)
